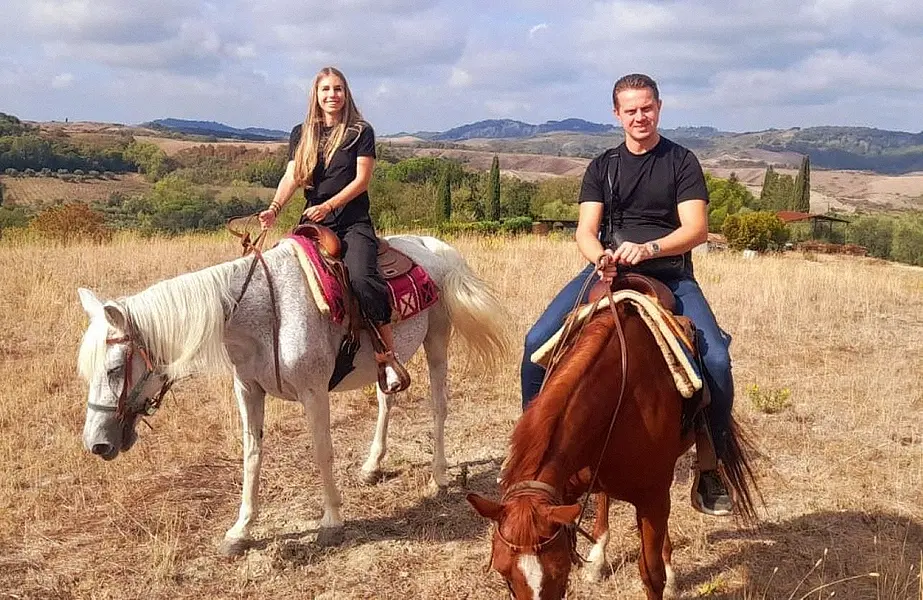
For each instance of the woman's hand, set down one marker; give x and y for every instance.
(268, 218)
(319, 212)
(630, 253)
(606, 266)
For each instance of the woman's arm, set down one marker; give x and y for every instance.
(285, 189)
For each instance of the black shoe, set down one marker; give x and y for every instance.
(711, 496)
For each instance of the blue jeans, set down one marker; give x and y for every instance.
(712, 341)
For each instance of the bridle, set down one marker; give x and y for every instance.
(127, 405)
(538, 488)
(541, 489)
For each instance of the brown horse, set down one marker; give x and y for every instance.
(613, 385)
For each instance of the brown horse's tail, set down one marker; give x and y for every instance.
(739, 451)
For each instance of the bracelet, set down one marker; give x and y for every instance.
(275, 207)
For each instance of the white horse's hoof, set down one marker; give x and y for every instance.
(233, 546)
(434, 488)
(329, 536)
(371, 477)
(593, 573)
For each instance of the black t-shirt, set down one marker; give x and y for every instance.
(650, 187)
(329, 179)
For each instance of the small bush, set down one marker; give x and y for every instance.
(758, 231)
(517, 225)
(70, 222)
(769, 401)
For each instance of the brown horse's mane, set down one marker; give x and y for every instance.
(535, 432)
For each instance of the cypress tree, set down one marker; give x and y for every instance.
(769, 183)
(801, 198)
(445, 199)
(493, 199)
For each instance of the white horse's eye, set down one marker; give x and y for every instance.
(115, 376)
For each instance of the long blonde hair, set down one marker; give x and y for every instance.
(311, 129)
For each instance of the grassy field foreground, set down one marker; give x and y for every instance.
(842, 465)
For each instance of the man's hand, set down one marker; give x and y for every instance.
(630, 253)
(318, 213)
(606, 266)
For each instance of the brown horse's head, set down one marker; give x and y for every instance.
(533, 543)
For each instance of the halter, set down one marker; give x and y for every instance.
(537, 488)
(129, 395)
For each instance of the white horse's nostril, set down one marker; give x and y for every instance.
(101, 449)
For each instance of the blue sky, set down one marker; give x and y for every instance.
(431, 65)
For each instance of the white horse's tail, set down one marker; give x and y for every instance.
(474, 310)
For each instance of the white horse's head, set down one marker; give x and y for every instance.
(123, 380)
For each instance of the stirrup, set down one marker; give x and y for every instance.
(402, 375)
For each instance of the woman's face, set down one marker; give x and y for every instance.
(331, 96)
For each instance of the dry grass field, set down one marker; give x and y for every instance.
(842, 466)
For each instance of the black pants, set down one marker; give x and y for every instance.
(360, 254)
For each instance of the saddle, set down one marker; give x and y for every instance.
(693, 415)
(392, 264)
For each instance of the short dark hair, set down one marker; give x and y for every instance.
(634, 81)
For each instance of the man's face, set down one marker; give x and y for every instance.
(638, 112)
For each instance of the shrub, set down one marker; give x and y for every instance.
(769, 401)
(516, 225)
(70, 222)
(758, 231)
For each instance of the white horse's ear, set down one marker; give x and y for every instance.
(116, 316)
(91, 304)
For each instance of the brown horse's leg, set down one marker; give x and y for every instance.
(596, 561)
(670, 590)
(652, 523)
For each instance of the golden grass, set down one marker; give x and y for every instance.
(843, 465)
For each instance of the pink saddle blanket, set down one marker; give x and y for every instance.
(409, 293)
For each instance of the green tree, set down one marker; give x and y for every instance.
(873, 232)
(907, 246)
(516, 197)
(1, 193)
(726, 197)
(769, 181)
(445, 199)
(801, 197)
(493, 198)
(148, 159)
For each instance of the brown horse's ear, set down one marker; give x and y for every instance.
(563, 515)
(486, 508)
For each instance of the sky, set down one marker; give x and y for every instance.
(430, 65)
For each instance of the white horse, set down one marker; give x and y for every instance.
(136, 347)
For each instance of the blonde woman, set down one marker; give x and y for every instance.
(331, 156)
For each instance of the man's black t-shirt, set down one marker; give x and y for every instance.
(650, 186)
(329, 179)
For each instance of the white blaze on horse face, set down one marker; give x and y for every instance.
(532, 570)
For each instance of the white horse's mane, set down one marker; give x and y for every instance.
(180, 321)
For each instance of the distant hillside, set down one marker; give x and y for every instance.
(829, 147)
(508, 128)
(218, 130)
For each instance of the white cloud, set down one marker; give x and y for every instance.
(459, 78)
(62, 81)
(537, 28)
(432, 64)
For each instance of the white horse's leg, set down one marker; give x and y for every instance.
(436, 344)
(317, 406)
(250, 401)
(371, 470)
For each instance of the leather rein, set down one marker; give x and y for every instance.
(538, 488)
(126, 406)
